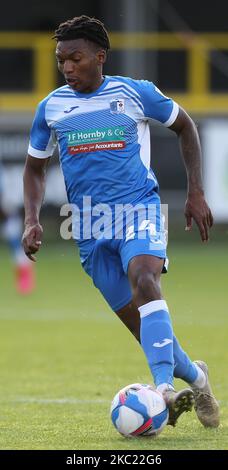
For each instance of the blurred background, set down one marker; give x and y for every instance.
(183, 48)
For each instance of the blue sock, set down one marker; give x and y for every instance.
(157, 340)
(184, 368)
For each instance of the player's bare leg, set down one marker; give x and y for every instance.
(130, 317)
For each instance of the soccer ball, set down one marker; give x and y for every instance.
(139, 410)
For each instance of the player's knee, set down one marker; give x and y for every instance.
(146, 289)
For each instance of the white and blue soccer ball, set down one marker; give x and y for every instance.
(139, 410)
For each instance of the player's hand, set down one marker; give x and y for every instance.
(31, 240)
(197, 209)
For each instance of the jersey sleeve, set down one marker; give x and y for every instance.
(156, 105)
(42, 140)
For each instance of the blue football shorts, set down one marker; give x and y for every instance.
(108, 259)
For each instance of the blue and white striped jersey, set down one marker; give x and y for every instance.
(103, 138)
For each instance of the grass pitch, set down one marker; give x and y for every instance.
(63, 354)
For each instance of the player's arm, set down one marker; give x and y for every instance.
(163, 109)
(34, 188)
(196, 207)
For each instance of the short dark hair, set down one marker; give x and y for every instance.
(83, 27)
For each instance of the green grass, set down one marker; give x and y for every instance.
(63, 354)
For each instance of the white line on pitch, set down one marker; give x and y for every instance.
(58, 401)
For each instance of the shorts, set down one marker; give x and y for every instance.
(108, 259)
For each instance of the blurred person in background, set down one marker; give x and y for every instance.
(11, 227)
(101, 126)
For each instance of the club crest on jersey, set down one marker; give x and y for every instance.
(117, 106)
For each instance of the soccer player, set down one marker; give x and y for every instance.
(101, 126)
(11, 227)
